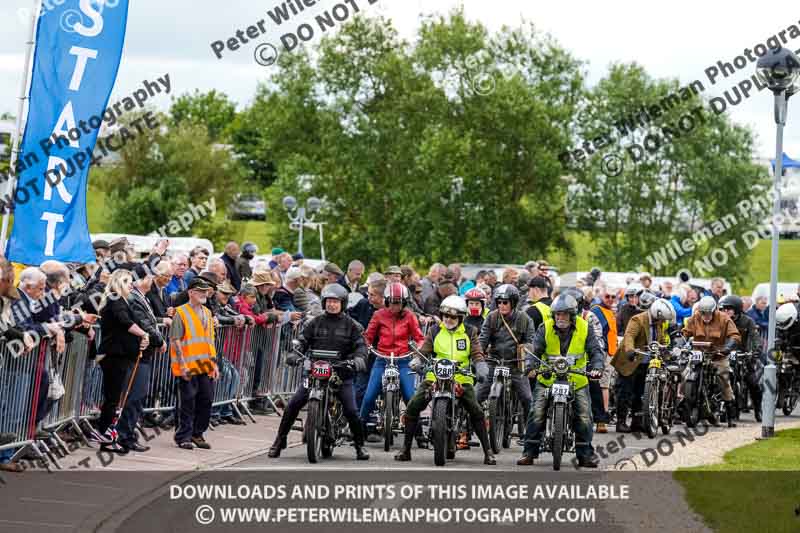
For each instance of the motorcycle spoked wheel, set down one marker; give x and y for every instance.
(650, 408)
(559, 431)
(691, 404)
(439, 431)
(497, 422)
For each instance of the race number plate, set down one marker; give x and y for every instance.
(696, 357)
(560, 391)
(501, 371)
(655, 363)
(444, 369)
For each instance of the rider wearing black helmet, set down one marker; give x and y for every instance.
(333, 330)
(505, 334)
(566, 333)
(731, 305)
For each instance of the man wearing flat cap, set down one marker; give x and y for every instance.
(193, 357)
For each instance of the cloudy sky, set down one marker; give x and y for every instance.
(679, 40)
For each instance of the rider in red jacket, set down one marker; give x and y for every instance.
(394, 326)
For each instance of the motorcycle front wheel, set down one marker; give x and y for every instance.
(497, 422)
(439, 431)
(559, 428)
(650, 408)
(313, 435)
(691, 404)
(388, 420)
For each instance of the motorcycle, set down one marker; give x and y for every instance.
(702, 395)
(448, 419)
(325, 423)
(389, 404)
(504, 409)
(745, 381)
(559, 436)
(660, 390)
(788, 383)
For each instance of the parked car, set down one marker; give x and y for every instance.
(247, 207)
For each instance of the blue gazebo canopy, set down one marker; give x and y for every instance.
(788, 162)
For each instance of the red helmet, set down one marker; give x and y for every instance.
(475, 295)
(394, 292)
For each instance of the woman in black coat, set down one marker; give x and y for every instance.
(120, 343)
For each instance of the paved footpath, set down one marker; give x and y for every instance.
(94, 492)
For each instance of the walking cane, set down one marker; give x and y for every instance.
(111, 432)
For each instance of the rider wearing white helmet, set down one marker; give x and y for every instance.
(450, 340)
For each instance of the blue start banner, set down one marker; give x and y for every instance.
(78, 50)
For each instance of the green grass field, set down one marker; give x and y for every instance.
(755, 488)
(581, 259)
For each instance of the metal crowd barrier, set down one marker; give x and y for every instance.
(20, 383)
(251, 361)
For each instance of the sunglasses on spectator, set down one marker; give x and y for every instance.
(452, 317)
(610, 297)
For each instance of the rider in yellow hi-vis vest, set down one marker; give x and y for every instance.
(450, 340)
(192, 353)
(565, 334)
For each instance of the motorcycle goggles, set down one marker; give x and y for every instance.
(398, 301)
(503, 302)
(451, 316)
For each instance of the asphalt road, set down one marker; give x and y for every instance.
(616, 451)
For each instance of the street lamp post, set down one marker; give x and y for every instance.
(779, 67)
(301, 216)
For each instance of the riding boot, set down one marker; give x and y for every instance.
(622, 416)
(408, 438)
(483, 437)
(636, 422)
(730, 411)
(358, 439)
(280, 438)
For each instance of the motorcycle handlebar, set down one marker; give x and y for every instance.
(389, 356)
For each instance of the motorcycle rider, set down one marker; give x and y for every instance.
(731, 305)
(565, 333)
(476, 307)
(788, 333)
(505, 334)
(333, 330)
(393, 326)
(629, 308)
(599, 395)
(644, 328)
(450, 340)
(709, 325)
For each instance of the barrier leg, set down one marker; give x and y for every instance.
(245, 408)
(75, 426)
(49, 454)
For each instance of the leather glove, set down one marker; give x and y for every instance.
(482, 370)
(292, 359)
(359, 364)
(416, 365)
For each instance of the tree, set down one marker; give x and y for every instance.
(212, 109)
(162, 172)
(416, 161)
(691, 169)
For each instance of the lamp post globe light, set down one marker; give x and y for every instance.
(299, 216)
(779, 69)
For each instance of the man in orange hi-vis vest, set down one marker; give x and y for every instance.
(192, 353)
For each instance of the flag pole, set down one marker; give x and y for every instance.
(15, 140)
